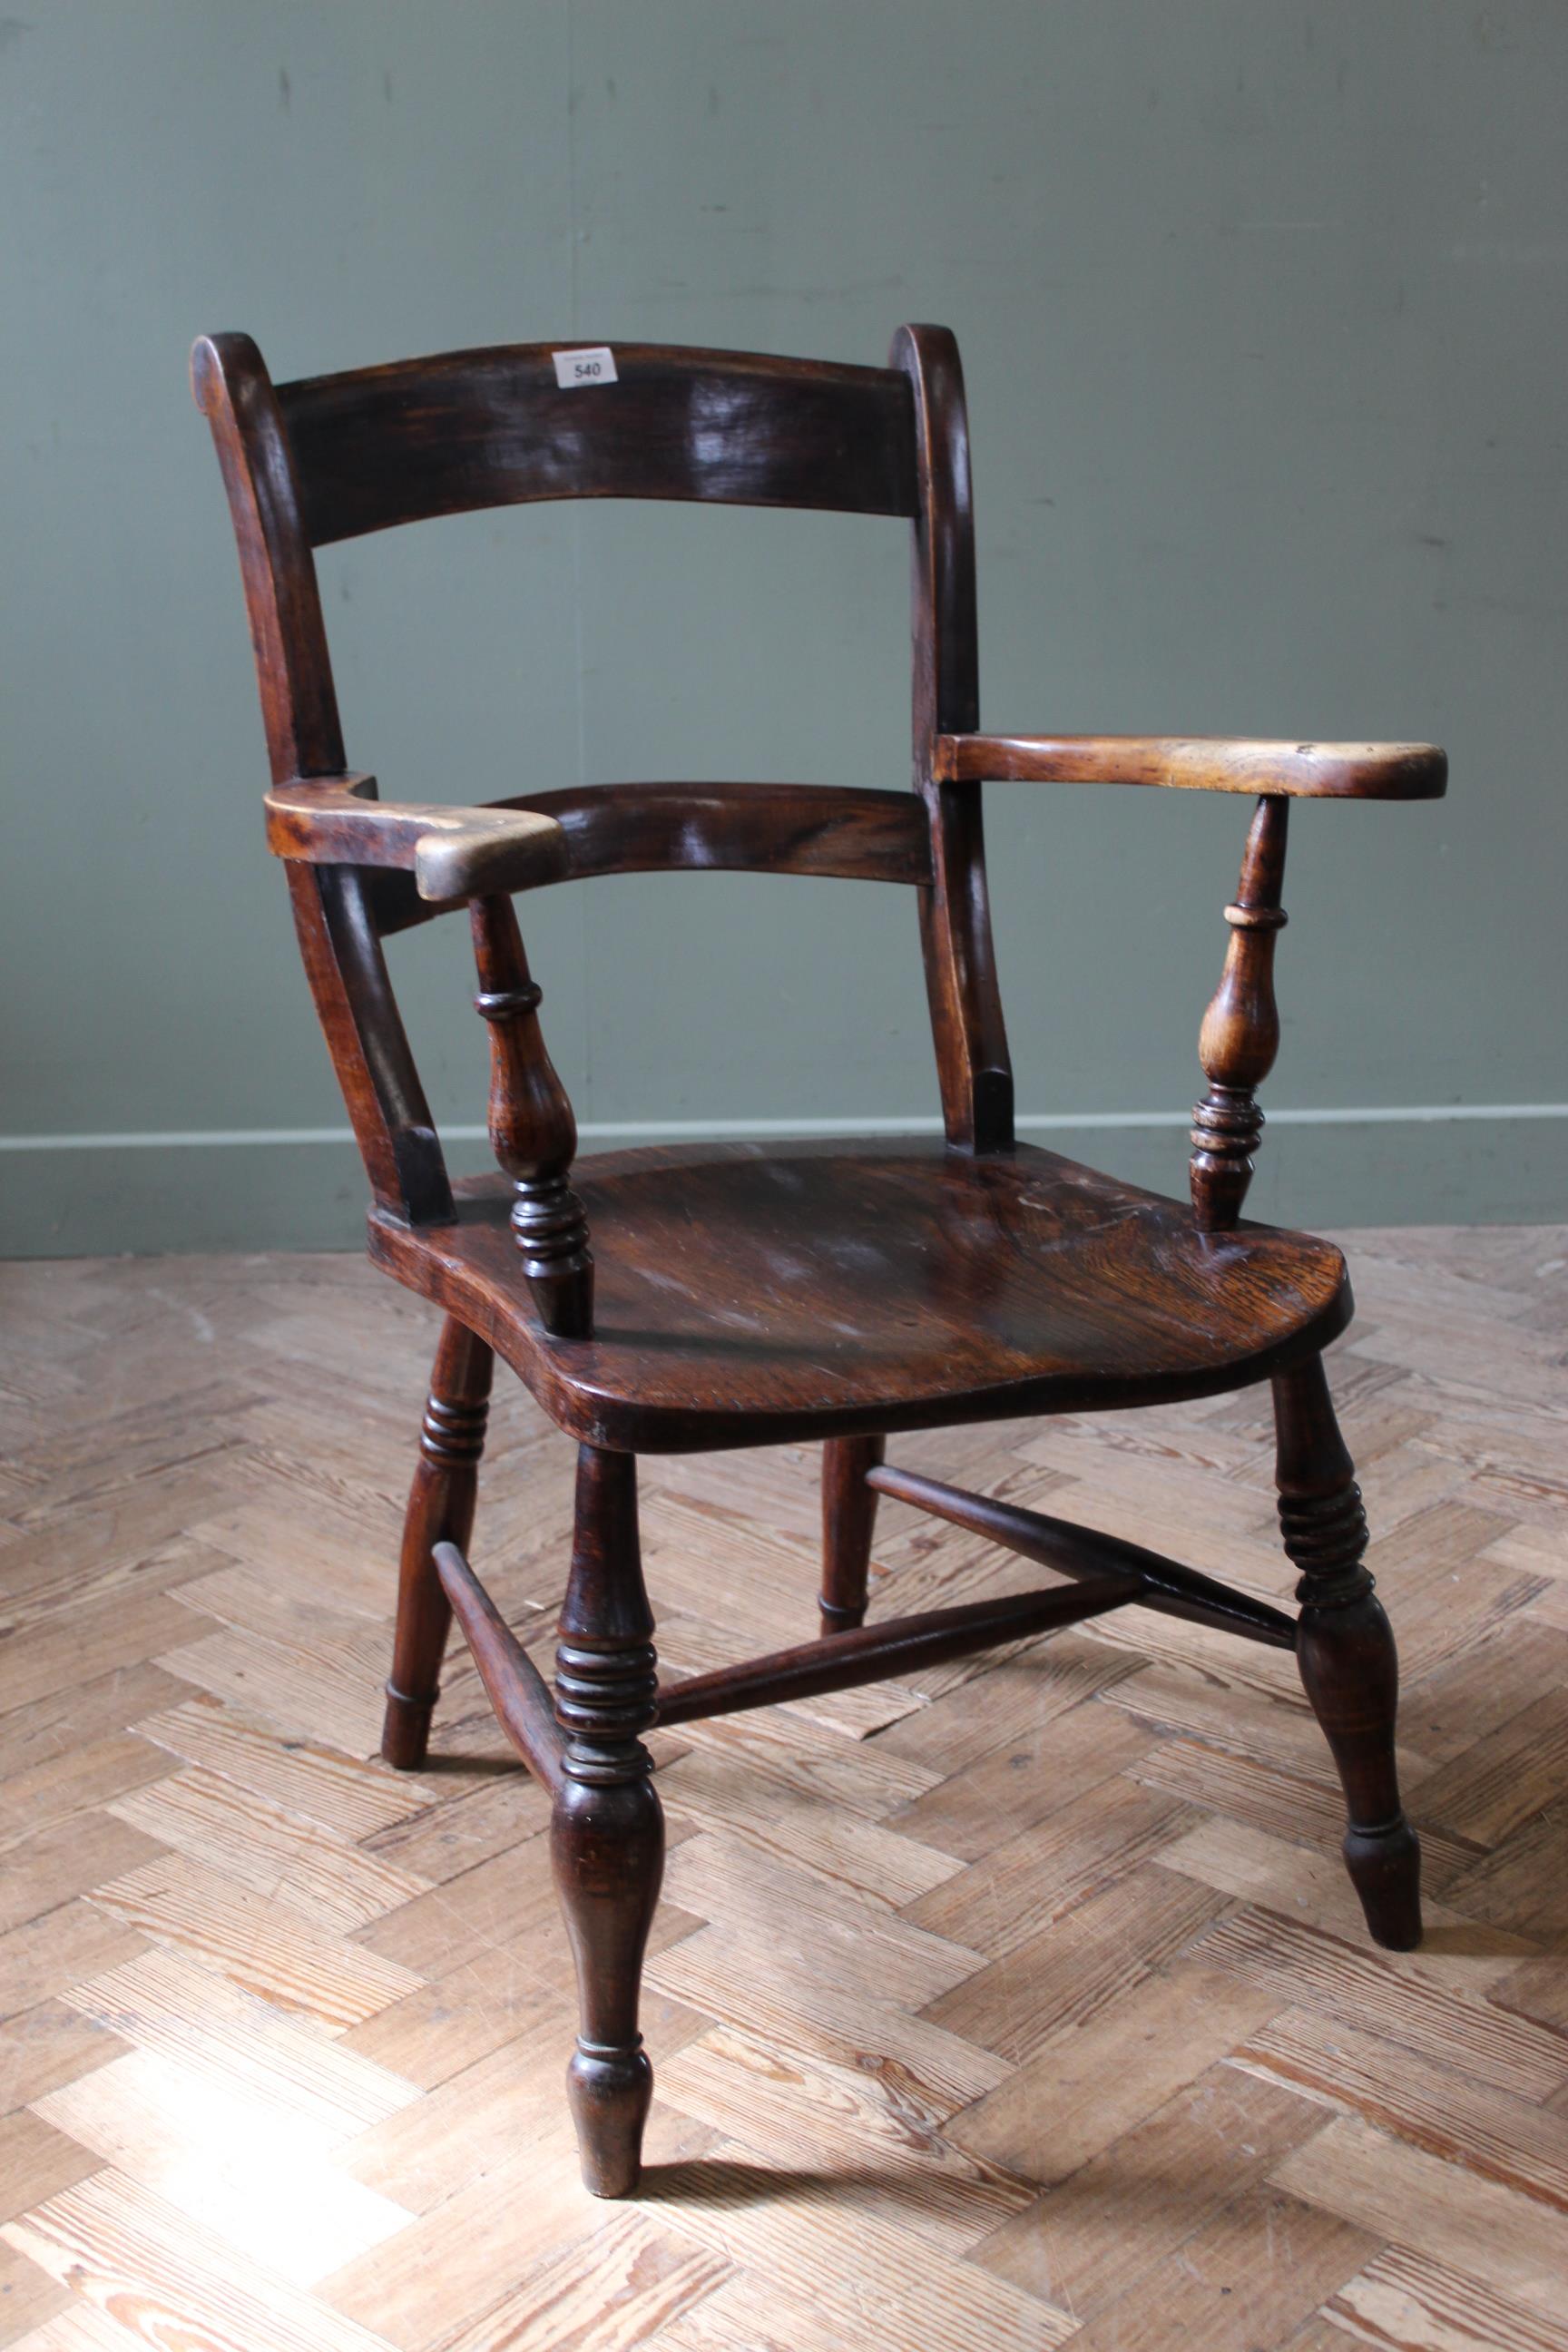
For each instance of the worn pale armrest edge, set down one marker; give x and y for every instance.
(452, 853)
(1212, 764)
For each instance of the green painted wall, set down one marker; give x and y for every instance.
(1264, 312)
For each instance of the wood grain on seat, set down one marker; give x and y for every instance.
(749, 1291)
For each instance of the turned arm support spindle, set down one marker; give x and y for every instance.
(1240, 1034)
(533, 1132)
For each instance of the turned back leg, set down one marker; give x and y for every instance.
(607, 1826)
(1345, 1650)
(848, 1518)
(440, 1511)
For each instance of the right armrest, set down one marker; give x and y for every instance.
(452, 853)
(1209, 763)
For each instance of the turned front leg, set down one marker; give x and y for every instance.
(1240, 1033)
(1345, 1650)
(607, 1826)
(440, 1511)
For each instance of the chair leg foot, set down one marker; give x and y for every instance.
(848, 1519)
(1349, 1669)
(606, 1832)
(609, 1861)
(1351, 1673)
(611, 2092)
(1386, 1871)
(440, 1509)
(405, 1730)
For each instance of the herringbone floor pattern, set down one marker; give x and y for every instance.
(1023, 2003)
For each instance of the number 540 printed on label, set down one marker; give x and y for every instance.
(595, 365)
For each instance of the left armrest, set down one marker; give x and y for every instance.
(451, 852)
(1204, 763)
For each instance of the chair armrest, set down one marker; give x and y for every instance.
(1204, 764)
(452, 853)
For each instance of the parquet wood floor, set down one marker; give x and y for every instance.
(1022, 2004)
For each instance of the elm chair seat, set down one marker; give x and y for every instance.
(748, 1294)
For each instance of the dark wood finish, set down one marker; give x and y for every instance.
(299, 702)
(835, 1291)
(513, 1683)
(1345, 1647)
(1162, 1584)
(848, 1518)
(457, 853)
(440, 1511)
(903, 1646)
(973, 1065)
(1240, 1033)
(489, 428)
(833, 829)
(338, 939)
(342, 956)
(750, 1296)
(823, 829)
(606, 1832)
(1204, 764)
(532, 1133)
(452, 853)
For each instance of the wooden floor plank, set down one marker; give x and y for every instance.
(638, 2281)
(47, 2046)
(1285, 1805)
(1524, 2146)
(252, 2175)
(29, 2295)
(770, 1814)
(59, 1948)
(828, 2118)
(1027, 1882)
(126, 2251)
(1079, 1965)
(262, 1946)
(281, 1854)
(42, 1870)
(1247, 2277)
(1442, 2209)
(1098, 2078)
(1407, 2298)
(816, 2236)
(1339, 1979)
(512, 2216)
(827, 1926)
(1023, 2002)
(1133, 2206)
(750, 1985)
(1289, 1880)
(36, 2158)
(337, 1792)
(752, 2312)
(79, 1644)
(452, 2021)
(172, 2008)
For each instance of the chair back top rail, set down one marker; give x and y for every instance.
(383, 445)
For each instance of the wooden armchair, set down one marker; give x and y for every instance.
(723, 1294)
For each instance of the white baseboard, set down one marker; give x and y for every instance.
(684, 1130)
(718, 1130)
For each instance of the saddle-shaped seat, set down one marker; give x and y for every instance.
(748, 1294)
